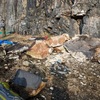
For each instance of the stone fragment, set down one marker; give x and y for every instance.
(35, 92)
(55, 58)
(57, 40)
(82, 44)
(6, 68)
(97, 54)
(60, 49)
(79, 56)
(24, 48)
(51, 88)
(78, 12)
(43, 48)
(17, 48)
(14, 57)
(26, 63)
(40, 50)
(59, 68)
(61, 58)
(29, 84)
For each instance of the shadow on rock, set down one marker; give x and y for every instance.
(59, 94)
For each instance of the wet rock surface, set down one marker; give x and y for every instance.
(81, 82)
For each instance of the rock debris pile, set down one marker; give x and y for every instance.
(69, 66)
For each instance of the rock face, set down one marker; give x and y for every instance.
(91, 23)
(52, 16)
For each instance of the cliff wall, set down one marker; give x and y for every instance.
(52, 16)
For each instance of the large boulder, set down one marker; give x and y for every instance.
(83, 44)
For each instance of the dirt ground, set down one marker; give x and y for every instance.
(82, 82)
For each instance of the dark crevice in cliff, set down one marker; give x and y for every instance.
(15, 7)
(72, 1)
(79, 20)
(83, 21)
(77, 17)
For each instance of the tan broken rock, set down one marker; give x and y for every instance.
(42, 48)
(97, 54)
(57, 40)
(39, 50)
(35, 92)
(59, 49)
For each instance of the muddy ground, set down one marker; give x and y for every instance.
(82, 82)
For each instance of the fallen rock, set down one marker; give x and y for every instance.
(17, 48)
(39, 50)
(24, 48)
(59, 68)
(14, 57)
(82, 44)
(42, 48)
(61, 58)
(26, 63)
(60, 49)
(27, 83)
(57, 40)
(79, 56)
(55, 58)
(96, 56)
(35, 92)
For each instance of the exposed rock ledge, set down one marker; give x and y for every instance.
(52, 16)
